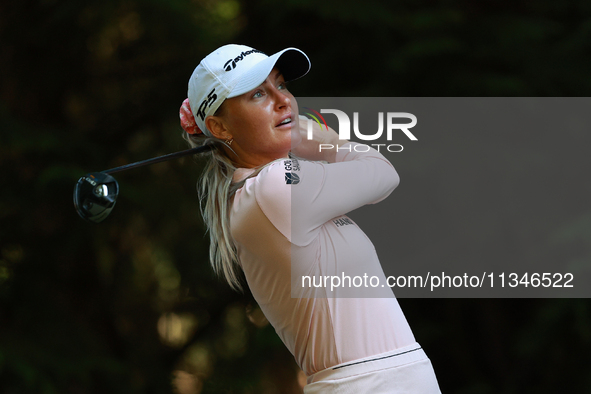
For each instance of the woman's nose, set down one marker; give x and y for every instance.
(282, 99)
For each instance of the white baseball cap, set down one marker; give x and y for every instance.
(232, 70)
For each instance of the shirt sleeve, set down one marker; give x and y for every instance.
(299, 196)
(273, 195)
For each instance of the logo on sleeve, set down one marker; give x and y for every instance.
(342, 221)
(291, 165)
(291, 178)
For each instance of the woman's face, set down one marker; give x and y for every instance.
(260, 122)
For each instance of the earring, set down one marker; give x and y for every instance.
(229, 141)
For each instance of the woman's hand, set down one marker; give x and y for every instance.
(322, 146)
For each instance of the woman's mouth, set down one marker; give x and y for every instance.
(284, 122)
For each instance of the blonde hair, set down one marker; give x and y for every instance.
(215, 189)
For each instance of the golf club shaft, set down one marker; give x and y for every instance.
(192, 151)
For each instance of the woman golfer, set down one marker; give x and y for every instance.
(281, 221)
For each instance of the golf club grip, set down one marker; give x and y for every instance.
(192, 151)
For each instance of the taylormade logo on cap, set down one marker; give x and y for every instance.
(231, 64)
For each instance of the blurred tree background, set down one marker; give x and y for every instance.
(131, 305)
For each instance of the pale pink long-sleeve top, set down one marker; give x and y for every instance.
(289, 221)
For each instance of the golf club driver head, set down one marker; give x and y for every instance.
(95, 195)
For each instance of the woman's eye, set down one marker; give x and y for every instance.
(282, 85)
(257, 94)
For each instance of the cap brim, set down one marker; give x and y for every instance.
(292, 63)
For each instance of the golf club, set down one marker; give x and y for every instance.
(95, 193)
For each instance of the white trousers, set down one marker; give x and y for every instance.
(406, 370)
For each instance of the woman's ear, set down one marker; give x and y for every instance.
(217, 128)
